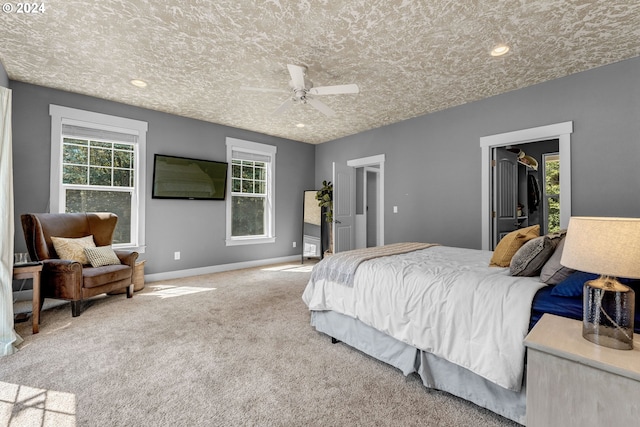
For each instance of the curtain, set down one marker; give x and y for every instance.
(8, 337)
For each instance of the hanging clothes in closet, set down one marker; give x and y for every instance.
(533, 191)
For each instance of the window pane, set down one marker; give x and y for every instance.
(101, 144)
(236, 185)
(552, 191)
(552, 176)
(74, 174)
(122, 159)
(247, 171)
(248, 216)
(100, 176)
(117, 202)
(247, 186)
(260, 188)
(259, 174)
(122, 178)
(100, 157)
(75, 154)
(235, 170)
(553, 209)
(125, 147)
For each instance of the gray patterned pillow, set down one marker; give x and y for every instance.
(532, 256)
(553, 272)
(102, 255)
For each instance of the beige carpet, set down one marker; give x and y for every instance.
(225, 349)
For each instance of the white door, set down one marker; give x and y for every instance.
(344, 207)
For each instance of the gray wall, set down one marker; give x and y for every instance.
(196, 228)
(4, 78)
(432, 169)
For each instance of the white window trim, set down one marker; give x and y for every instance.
(64, 115)
(264, 149)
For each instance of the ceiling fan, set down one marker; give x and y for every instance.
(303, 92)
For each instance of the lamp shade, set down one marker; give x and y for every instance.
(606, 246)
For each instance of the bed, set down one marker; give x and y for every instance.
(440, 312)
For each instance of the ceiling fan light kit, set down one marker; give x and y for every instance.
(302, 91)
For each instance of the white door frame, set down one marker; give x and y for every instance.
(377, 161)
(562, 132)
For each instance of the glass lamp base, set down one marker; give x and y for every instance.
(608, 312)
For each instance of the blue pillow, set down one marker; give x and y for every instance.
(572, 285)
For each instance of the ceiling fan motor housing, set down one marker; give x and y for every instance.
(300, 93)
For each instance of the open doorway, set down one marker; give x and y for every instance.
(347, 193)
(560, 131)
(367, 207)
(526, 189)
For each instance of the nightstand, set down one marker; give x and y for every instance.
(573, 382)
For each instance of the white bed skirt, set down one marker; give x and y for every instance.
(435, 372)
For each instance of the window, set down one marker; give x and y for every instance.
(250, 207)
(97, 165)
(551, 170)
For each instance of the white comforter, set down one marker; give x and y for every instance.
(443, 300)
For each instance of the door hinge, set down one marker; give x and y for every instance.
(493, 214)
(493, 163)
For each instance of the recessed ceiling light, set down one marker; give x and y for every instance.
(138, 83)
(300, 125)
(499, 50)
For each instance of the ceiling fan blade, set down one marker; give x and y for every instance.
(284, 106)
(297, 75)
(263, 89)
(323, 108)
(334, 90)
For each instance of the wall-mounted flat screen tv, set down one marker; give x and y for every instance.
(184, 178)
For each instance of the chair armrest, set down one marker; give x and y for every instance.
(127, 257)
(61, 278)
(61, 266)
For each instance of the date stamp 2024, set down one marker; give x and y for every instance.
(24, 8)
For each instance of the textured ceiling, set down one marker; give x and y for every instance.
(409, 58)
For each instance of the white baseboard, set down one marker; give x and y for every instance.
(217, 268)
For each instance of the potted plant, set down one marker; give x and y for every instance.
(324, 196)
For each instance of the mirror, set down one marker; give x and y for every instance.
(311, 227)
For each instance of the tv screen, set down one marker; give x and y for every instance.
(184, 178)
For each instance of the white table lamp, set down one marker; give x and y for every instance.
(609, 247)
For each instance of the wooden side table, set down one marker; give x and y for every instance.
(31, 271)
(574, 382)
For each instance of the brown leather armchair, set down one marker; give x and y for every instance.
(70, 280)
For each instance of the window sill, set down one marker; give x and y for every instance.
(139, 249)
(249, 241)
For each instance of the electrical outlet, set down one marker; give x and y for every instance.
(176, 255)
(294, 244)
(395, 209)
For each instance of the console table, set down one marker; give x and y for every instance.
(574, 382)
(31, 271)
